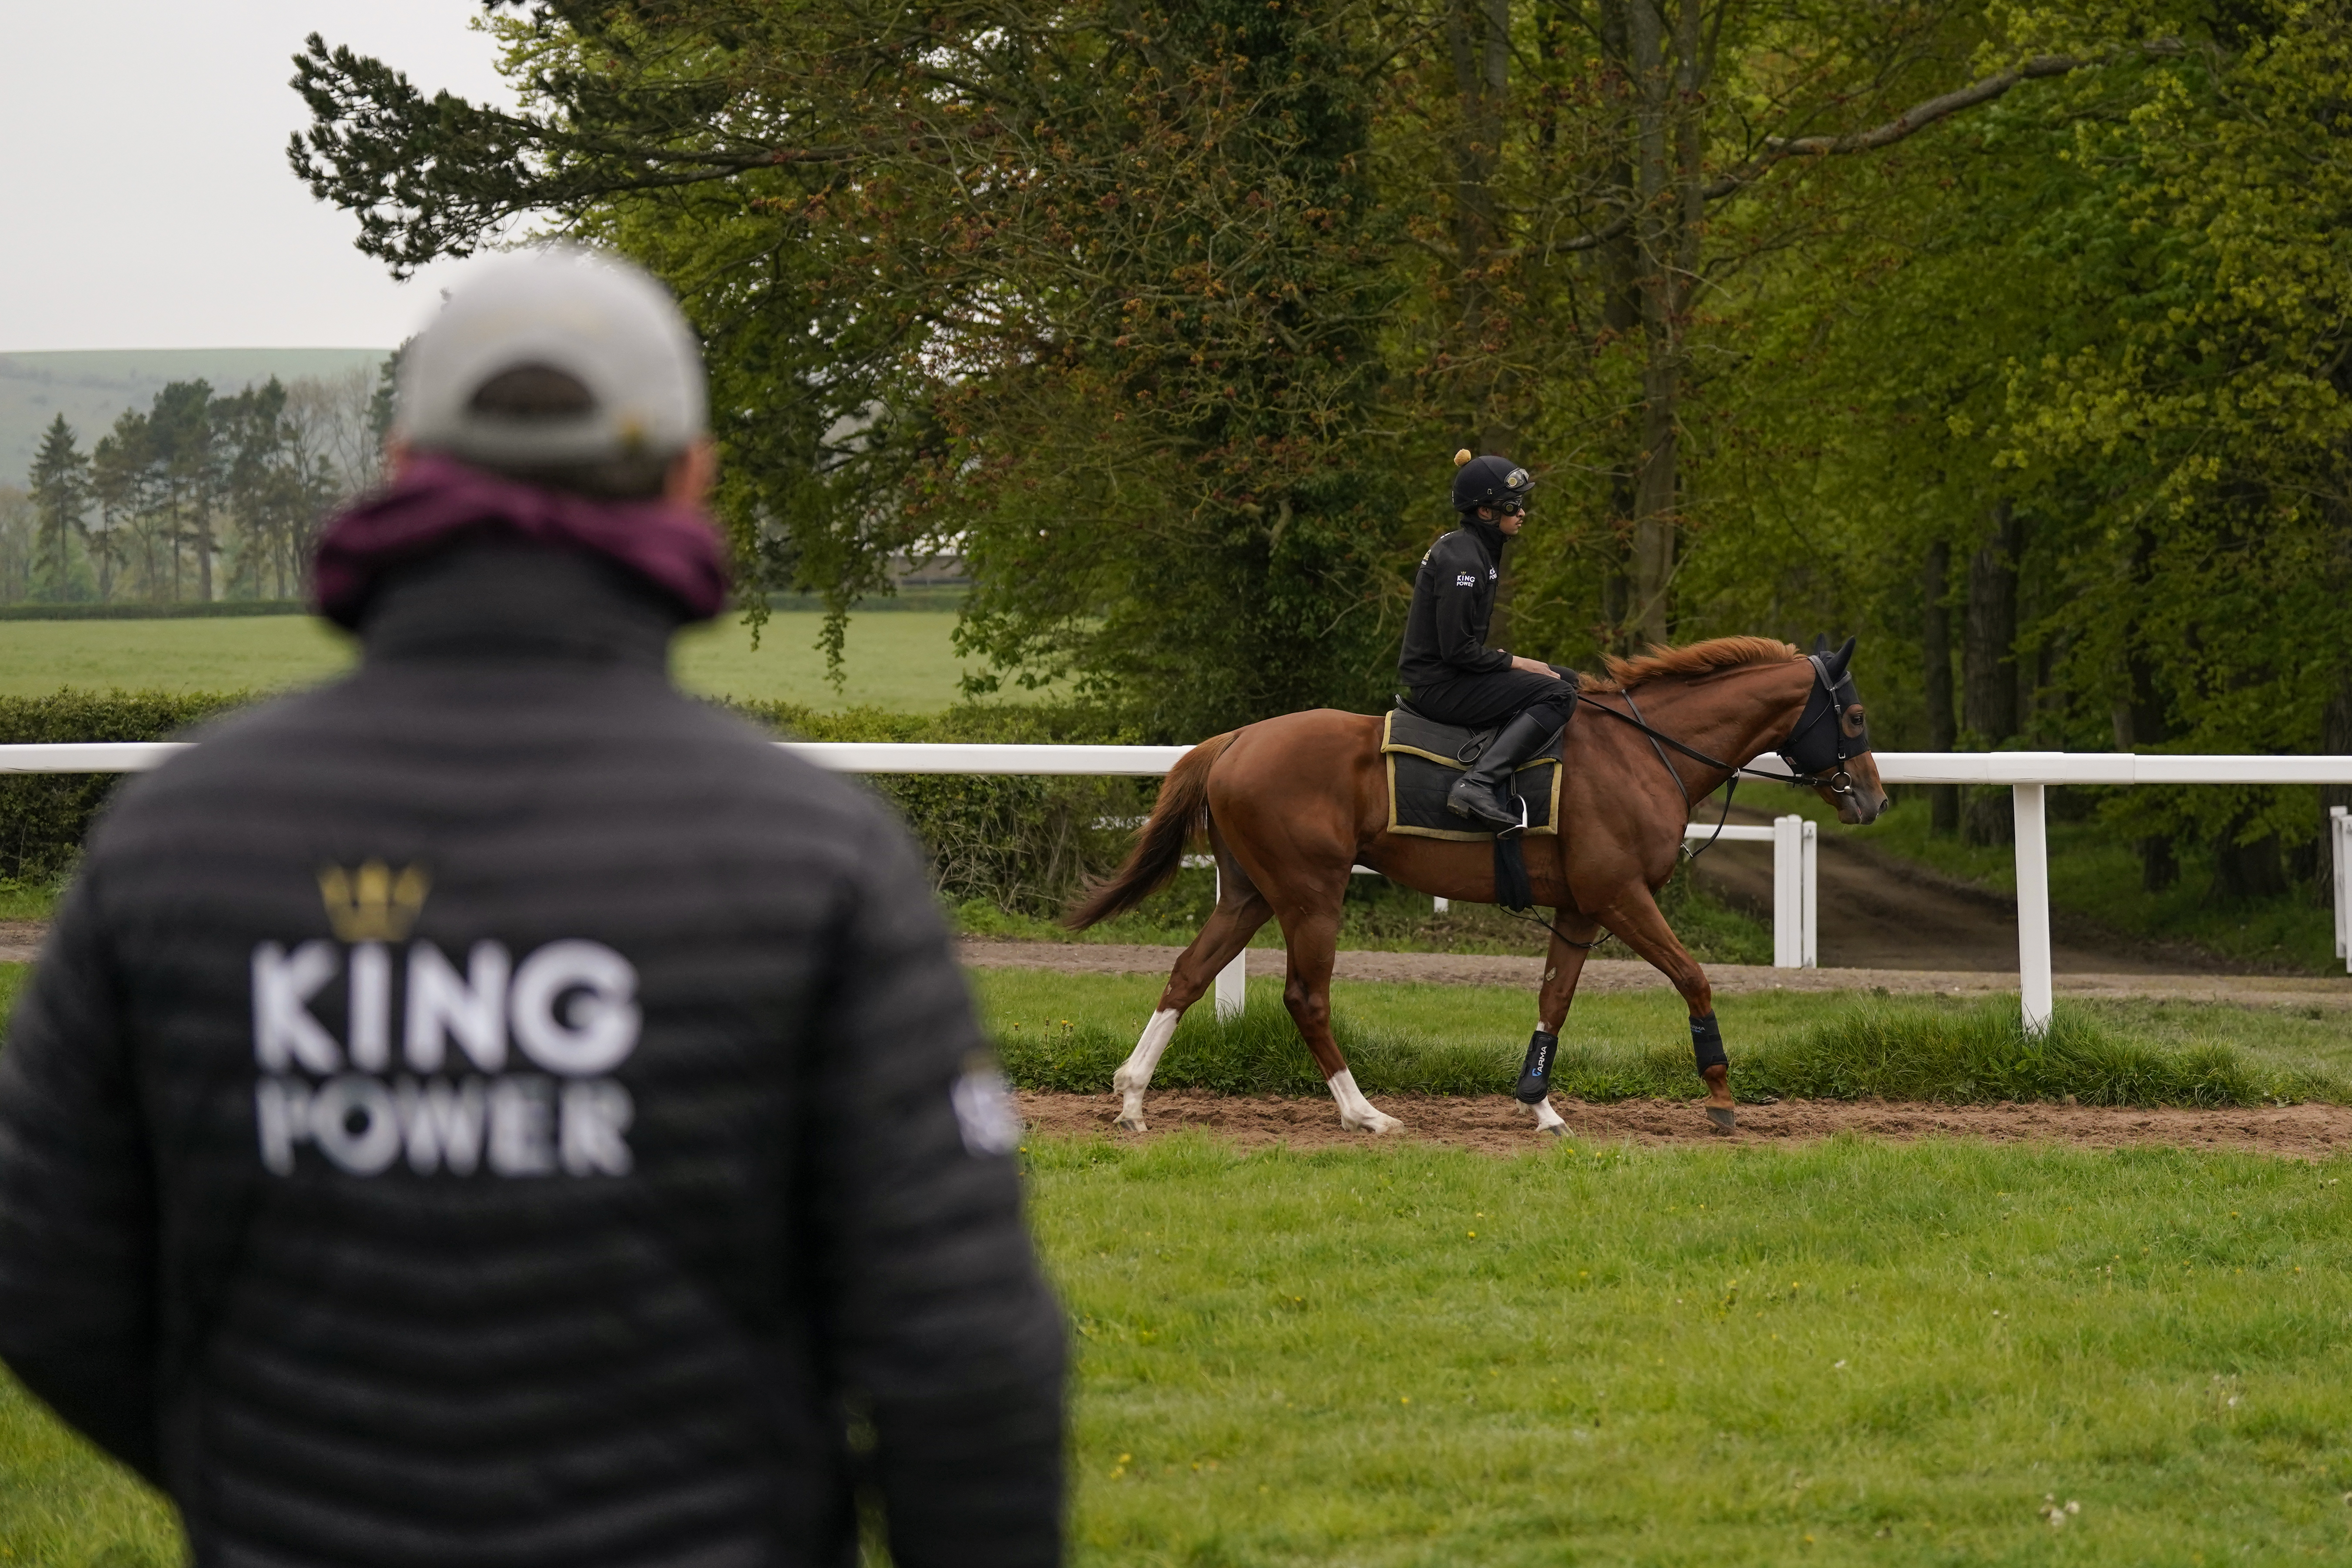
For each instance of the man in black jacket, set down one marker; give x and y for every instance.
(1450, 673)
(496, 1109)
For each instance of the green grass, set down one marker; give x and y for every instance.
(28, 900)
(2095, 872)
(63, 1503)
(1070, 1032)
(902, 662)
(1842, 1352)
(1846, 1352)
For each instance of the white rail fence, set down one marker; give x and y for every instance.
(2026, 774)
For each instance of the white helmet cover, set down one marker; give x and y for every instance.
(602, 321)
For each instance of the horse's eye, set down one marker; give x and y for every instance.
(1851, 722)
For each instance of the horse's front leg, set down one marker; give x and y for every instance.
(1563, 967)
(1633, 918)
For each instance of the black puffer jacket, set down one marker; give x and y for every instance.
(1452, 605)
(495, 1109)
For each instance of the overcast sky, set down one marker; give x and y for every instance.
(145, 195)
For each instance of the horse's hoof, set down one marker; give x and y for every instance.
(1722, 1116)
(1378, 1126)
(1558, 1132)
(1132, 1124)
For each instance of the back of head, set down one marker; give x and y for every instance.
(1487, 481)
(561, 369)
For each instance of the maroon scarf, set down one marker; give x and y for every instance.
(436, 501)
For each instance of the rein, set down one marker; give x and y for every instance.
(1836, 780)
(1731, 788)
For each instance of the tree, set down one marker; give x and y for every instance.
(1629, 177)
(17, 528)
(1104, 279)
(58, 483)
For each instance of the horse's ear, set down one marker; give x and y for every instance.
(1821, 642)
(1840, 659)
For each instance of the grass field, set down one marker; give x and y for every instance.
(1842, 1352)
(1846, 1352)
(1071, 1031)
(901, 661)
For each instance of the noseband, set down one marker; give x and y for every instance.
(1831, 733)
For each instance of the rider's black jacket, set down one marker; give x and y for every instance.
(496, 1109)
(1453, 602)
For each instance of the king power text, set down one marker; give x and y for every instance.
(427, 1082)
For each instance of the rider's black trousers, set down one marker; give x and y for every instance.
(1480, 701)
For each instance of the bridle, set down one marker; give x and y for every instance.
(1831, 733)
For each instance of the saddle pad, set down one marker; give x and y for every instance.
(1420, 771)
(1449, 744)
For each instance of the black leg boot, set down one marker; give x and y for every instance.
(1484, 793)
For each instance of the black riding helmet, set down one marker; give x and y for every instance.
(1487, 481)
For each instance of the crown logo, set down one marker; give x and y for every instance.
(372, 902)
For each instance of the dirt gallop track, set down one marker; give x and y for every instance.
(1495, 1125)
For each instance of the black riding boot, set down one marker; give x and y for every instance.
(1484, 793)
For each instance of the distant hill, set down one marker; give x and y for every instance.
(89, 387)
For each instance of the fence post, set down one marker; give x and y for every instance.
(1789, 892)
(1812, 895)
(1233, 980)
(2339, 840)
(2032, 907)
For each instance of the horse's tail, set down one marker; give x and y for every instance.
(1182, 811)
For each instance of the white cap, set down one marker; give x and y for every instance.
(602, 321)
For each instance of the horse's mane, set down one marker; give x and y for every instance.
(1695, 659)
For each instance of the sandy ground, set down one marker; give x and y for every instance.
(1632, 974)
(20, 940)
(1499, 1126)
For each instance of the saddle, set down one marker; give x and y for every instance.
(1424, 757)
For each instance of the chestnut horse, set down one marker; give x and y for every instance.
(1290, 805)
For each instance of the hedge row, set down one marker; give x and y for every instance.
(1020, 843)
(43, 816)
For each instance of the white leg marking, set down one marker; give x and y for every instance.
(1357, 1113)
(1134, 1075)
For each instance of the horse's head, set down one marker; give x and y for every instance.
(1831, 744)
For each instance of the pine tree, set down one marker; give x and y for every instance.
(59, 482)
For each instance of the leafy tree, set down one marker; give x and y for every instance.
(244, 480)
(1104, 278)
(17, 526)
(1203, 293)
(58, 483)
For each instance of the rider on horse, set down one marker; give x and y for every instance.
(1449, 671)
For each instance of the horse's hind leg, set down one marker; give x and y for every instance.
(1633, 918)
(1241, 909)
(1313, 938)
